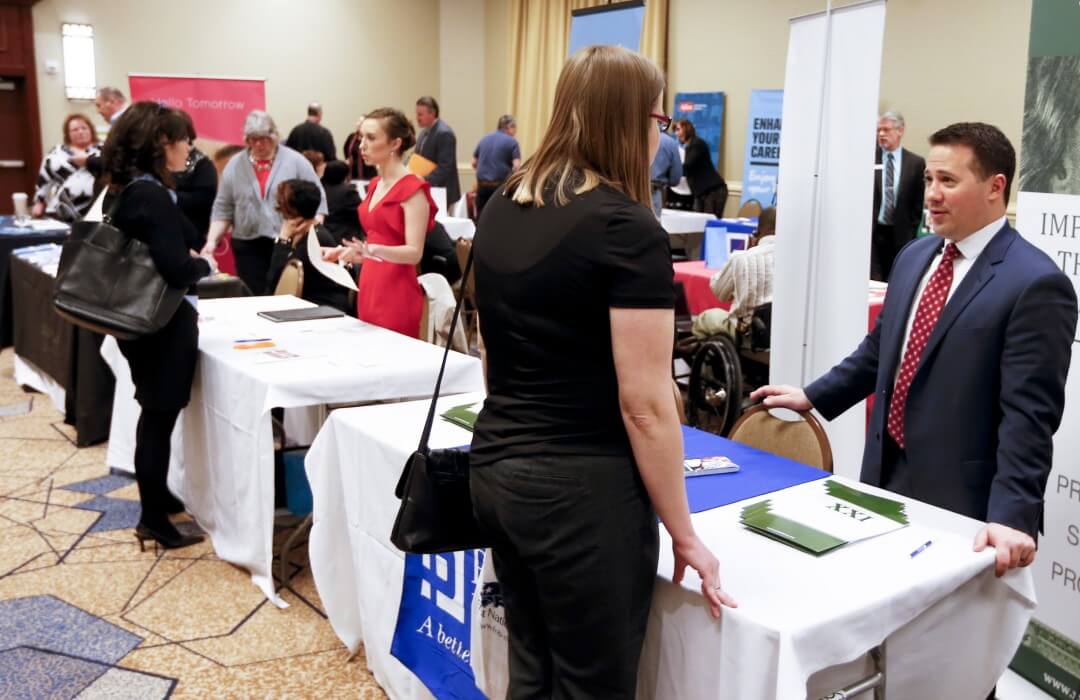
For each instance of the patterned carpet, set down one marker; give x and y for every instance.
(85, 614)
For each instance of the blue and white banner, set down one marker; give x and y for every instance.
(762, 162)
(434, 627)
(705, 110)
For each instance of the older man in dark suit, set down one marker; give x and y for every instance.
(968, 359)
(898, 195)
(438, 144)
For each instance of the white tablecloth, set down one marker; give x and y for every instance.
(677, 221)
(226, 475)
(803, 626)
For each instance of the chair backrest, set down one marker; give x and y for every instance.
(292, 279)
(750, 208)
(462, 247)
(802, 440)
(680, 404)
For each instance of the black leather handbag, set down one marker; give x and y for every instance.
(108, 283)
(436, 513)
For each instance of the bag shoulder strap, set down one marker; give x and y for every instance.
(108, 216)
(423, 447)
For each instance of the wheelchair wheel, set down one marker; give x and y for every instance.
(715, 386)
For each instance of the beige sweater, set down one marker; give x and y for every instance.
(747, 279)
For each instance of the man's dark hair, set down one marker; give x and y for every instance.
(429, 102)
(136, 143)
(336, 173)
(993, 152)
(298, 197)
(314, 109)
(767, 222)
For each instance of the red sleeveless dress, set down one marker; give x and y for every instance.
(389, 294)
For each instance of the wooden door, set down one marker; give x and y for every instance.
(20, 130)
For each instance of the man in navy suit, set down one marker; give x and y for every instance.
(968, 359)
(438, 144)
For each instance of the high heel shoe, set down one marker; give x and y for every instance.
(168, 540)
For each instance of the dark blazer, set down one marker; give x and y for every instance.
(698, 168)
(317, 288)
(989, 393)
(195, 192)
(343, 217)
(909, 195)
(439, 145)
(309, 136)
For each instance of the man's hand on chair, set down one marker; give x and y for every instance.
(782, 396)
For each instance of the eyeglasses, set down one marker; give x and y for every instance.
(663, 122)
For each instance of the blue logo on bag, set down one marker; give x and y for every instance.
(434, 626)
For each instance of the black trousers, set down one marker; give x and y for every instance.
(575, 550)
(483, 194)
(712, 202)
(152, 450)
(253, 262)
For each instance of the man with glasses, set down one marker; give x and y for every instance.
(898, 195)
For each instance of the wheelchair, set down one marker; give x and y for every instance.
(723, 371)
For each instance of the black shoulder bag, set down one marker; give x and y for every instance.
(436, 513)
(107, 281)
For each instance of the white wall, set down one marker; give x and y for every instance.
(943, 61)
(351, 55)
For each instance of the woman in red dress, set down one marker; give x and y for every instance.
(396, 214)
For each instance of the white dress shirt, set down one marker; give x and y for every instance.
(970, 248)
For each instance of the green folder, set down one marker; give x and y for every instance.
(463, 416)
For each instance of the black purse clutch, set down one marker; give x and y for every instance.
(436, 513)
(108, 283)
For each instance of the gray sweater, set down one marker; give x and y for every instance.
(239, 200)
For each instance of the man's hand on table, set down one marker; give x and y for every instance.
(782, 396)
(1013, 548)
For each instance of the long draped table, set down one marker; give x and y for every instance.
(226, 474)
(804, 624)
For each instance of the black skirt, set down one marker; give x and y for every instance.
(163, 363)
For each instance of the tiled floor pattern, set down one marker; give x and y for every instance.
(85, 614)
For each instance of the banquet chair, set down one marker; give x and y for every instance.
(292, 279)
(750, 209)
(802, 440)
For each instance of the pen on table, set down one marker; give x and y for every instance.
(252, 340)
(922, 548)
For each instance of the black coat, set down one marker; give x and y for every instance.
(309, 136)
(698, 168)
(317, 288)
(343, 219)
(195, 192)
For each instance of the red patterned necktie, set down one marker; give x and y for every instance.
(931, 303)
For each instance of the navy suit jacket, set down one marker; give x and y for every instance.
(439, 145)
(989, 392)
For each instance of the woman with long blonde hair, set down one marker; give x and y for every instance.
(578, 446)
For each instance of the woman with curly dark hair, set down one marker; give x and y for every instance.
(145, 145)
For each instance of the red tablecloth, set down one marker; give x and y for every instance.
(695, 278)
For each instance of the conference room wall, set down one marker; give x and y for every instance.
(351, 56)
(962, 60)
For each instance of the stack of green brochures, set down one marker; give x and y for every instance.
(463, 416)
(821, 517)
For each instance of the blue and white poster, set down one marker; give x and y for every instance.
(433, 637)
(705, 110)
(617, 24)
(762, 162)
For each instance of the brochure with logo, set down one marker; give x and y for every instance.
(464, 416)
(824, 517)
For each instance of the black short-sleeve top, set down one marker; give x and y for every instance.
(546, 279)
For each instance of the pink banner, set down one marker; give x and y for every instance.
(217, 105)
